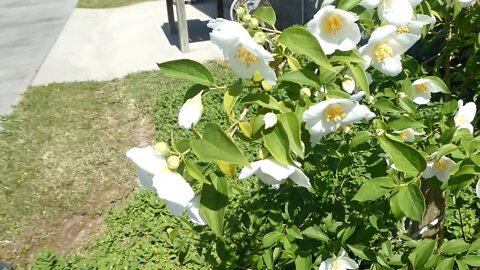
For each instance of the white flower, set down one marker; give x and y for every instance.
(396, 12)
(467, 3)
(349, 85)
(441, 169)
(270, 120)
(271, 172)
(335, 29)
(408, 135)
(245, 55)
(477, 189)
(388, 161)
(415, 25)
(384, 49)
(190, 112)
(424, 89)
(465, 115)
(327, 116)
(171, 187)
(341, 262)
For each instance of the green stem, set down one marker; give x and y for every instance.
(460, 216)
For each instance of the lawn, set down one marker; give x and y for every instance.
(62, 158)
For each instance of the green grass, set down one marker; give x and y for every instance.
(62, 158)
(107, 3)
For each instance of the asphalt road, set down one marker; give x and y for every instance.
(28, 29)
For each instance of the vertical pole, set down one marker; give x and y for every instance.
(220, 9)
(182, 26)
(171, 19)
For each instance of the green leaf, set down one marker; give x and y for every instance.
(444, 150)
(216, 145)
(472, 260)
(266, 14)
(411, 201)
(404, 122)
(213, 201)
(265, 101)
(348, 4)
(386, 106)
(436, 80)
(188, 70)
(328, 75)
(360, 137)
(277, 143)
(316, 233)
(362, 252)
(291, 125)
(231, 96)
(294, 232)
(395, 207)
(372, 190)
(422, 253)
(302, 77)
(268, 258)
(406, 158)
(271, 238)
(359, 76)
(195, 171)
(445, 264)
(474, 246)
(461, 265)
(300, 41)
(303, 261)
(454, 246)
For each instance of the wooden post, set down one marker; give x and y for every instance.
(182, 26)
(220, 8)
(171, 18)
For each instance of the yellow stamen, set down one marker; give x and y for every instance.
(421, 88)
(245, 57)
(337, 265)
(440, 165)
(332, 24)
(462, 120)
(403, 30)
(335, 113)
(383, 52)
(404, 134)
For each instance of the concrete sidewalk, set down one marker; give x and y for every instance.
(28, 29)
(104, 44)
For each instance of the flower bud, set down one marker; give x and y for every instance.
(161, 149)
(240, 11)
(173, 162)
(254, 23)
(246, 18)
(270, 119)
(305, 92)
(260, 37)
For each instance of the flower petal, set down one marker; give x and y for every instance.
(429, 172)
(194, 211)
(391, 66)
(477, 189)
(275, 169)
(146, 159)
(248, 172)
(357, 114)
(300, 178)
(176, 192)
(348, 263)
(190, 112)
(396, 12)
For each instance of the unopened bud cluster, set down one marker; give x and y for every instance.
(162, 149)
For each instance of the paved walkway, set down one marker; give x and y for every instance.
(101, 44)
(95, 44)
(28, 29)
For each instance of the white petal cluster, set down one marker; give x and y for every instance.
(408, 134)
(477, 189)
(153, 173)
(190, 112)
(273, 173)
(423, 90)
(467, 3)
(245, 55)
(384, 49)
(341, 262)
(465, 115)
(327, 116)
(335, 29)
(395, 12)
(440, 168)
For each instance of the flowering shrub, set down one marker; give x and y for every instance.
(387, 131)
